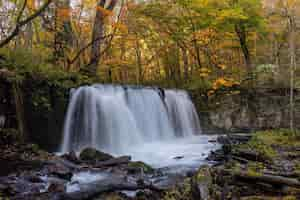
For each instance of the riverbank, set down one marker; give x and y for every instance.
(261, 167)
(265, 165)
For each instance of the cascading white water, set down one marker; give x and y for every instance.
(114, 118)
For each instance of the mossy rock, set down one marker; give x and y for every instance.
(93, 155)
(202, 184)
(138, 166)
(182, 191)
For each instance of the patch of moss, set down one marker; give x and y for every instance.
(180, 192)
(289, 198)
(253, 172)
(2, 197)
(261, 147)
(203, 174)
(266, 143)
(283, 137)
(141, 165)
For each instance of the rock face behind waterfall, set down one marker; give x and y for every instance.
(112, 118)
(245, 110)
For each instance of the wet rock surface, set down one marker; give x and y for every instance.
(237, 172)
(72, 177)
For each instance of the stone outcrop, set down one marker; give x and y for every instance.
(245, 111)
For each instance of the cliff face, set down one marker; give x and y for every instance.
(263, 109)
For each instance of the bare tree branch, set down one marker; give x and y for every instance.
(110, 36)
(71, 61)
(21, 23)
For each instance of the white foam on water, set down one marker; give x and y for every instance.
(181, 154)
(84, 178)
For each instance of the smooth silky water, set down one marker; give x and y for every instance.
(156, 126)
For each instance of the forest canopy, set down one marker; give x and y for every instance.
(182, 43)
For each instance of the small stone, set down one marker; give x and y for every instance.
(34, 179)
(178, 157)
(56, 188)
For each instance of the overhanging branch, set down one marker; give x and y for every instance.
(21, 23)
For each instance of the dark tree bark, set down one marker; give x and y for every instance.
(241, 33)
(98, 32)
(197, 50)
(18, 99)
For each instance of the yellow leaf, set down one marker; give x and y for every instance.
(31, 4)
(223, 67)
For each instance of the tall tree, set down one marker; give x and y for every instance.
(102, 11)
(288, 10)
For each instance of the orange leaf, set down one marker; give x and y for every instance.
(104, 11)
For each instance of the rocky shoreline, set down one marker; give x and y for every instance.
(261, 166)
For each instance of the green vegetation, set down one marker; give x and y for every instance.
(182, 192)
(140, 166)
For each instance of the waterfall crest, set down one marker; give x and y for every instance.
(113, 118)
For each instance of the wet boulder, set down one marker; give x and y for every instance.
(93, 155)
(139, 167)
(59, 170)
(72, 157)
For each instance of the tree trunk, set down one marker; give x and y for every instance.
(292, 52)
(18, 99)
(97, 35)
(241, 33)
(197, 50)
(139, 62)
(29, 36)
(185, 64)
(64, 38)
(114, 183)
(269, 179)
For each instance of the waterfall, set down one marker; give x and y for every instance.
(113, 118)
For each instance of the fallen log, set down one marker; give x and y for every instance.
(239, 159)
(112, 184)
(113, 162)
(249, 155)
(263, 178)
(291, 174)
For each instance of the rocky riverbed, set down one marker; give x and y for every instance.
(264, 165)
(30, 173)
